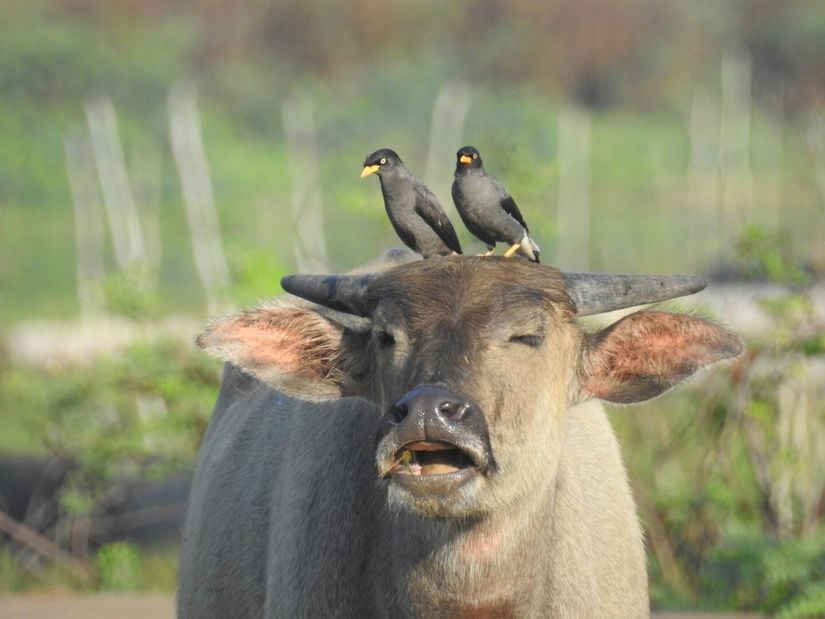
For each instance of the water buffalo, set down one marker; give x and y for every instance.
(437, 450)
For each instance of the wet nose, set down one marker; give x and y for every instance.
(431, 402)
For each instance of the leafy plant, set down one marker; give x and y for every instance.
(139, 413)
(730, 467)
(119, 567)
(766, 255)
(127, 295)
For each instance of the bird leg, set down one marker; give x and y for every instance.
(512, 250)
(490, 251)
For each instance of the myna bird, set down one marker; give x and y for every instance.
(418, 218)
(487, 208)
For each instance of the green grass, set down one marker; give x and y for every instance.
(116, 567)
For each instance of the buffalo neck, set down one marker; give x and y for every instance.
(454, 568)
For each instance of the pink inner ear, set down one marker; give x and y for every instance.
(646, 353)
(276, 340)
(268, 346)
(653, 344)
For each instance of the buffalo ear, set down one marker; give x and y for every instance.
(295, 350)
(647, 353)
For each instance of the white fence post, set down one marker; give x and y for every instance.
(573, 210)
(193, 170)
(146, 182)
(703, 202)
(305, 182)
(734, 142)
(446, 131)
(114, 183)
(88, 223)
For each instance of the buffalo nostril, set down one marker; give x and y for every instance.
(462, 411)
(399, 412)
(456, 411)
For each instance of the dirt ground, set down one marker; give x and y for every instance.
(103, 606)
(159, 606)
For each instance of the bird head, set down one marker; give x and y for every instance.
(380, 161)
(467, 157)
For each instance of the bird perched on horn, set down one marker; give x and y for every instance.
(487, 208)
(414, 211)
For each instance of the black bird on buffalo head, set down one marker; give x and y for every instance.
(414, 211)
(487, 208)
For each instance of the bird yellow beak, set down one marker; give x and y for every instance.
(369, 169)
(465, 159)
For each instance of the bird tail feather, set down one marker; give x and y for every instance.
(530, 248)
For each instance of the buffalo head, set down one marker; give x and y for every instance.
(473, 363)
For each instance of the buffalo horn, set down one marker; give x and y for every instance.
(594, 293)
(345, 293)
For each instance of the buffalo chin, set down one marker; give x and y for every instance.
(448, 495)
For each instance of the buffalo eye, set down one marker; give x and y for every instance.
(384, 339)
(532, 340)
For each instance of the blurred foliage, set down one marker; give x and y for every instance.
(764, 255)
(139, 415)
(372, 76)
(729, 478)
(600, 53)
(126, 295)
(255, 273)
(733, 496)
(759, 573)
(118, 566)
(141, 412)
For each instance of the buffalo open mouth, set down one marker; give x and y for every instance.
(430, 458)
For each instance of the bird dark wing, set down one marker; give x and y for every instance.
(407, 238)
(426, 205)
(509, 205)
(507, 202)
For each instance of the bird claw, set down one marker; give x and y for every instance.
(512, 250)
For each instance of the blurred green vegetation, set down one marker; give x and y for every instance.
(119, 566)
(137, 415)
(730, 497)
(727, 472)
(150, 402)
(372, 80)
